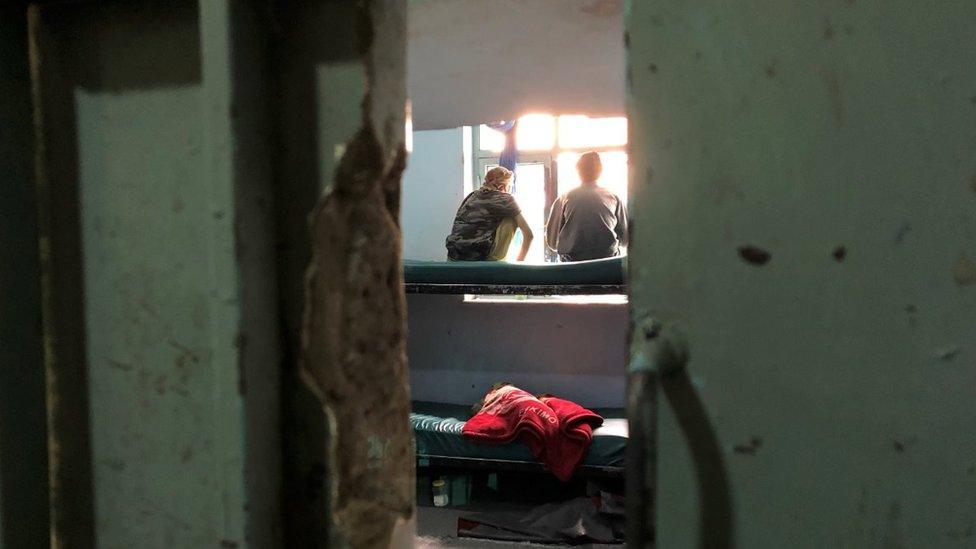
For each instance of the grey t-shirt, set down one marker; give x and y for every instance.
(588, 222)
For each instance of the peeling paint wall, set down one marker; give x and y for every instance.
(353, 334)
(804, 213)
(319, 81)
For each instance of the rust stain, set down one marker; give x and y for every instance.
(124, 366)
(902, 232)
(604, 8)
(893, 536)
(828, 29)
(754, 255)
(160, 385)
(834, 97)
(964, 271)
(726, 188)
(178, 205)
(962, 535)
(912, 319)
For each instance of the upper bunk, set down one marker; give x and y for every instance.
(594, 277)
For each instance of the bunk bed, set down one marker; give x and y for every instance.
(437, 430)
(598, 276)
(437, 426)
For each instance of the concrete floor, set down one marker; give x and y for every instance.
(437, 528)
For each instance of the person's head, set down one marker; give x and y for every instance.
(499, 179)
(589, 167)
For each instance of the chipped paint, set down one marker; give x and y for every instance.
(947, 354)
(754, 255)
(964, 271)
(353, 332)
(750, 448)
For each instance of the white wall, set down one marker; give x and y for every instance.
(432, 191)
(475, 60)
(457, 349)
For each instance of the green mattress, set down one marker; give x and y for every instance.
(595, 272)
(437, 428)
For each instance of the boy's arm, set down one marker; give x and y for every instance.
(554, 224)
(623, 236)
(527, 236)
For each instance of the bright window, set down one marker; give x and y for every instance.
(582, 132)
(536, 132)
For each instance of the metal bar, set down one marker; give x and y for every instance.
(641, 477)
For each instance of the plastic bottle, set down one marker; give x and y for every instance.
(441, 497)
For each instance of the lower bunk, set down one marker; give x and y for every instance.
(439, 444)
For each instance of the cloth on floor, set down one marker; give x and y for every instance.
(558, 432)
(575, 521)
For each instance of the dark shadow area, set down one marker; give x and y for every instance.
(23, 415)
(304, 36)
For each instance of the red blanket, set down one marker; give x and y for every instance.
(576, 425)
(557, 432)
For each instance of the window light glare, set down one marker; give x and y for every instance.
(580, 132)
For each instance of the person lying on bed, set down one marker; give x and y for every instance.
(588, 222)
(486, 221)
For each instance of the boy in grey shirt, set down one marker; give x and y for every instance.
(588, 222)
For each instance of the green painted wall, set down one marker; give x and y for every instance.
(160, 112)
(839, 137)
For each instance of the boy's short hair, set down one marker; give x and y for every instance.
(498, 177)
(589, 166)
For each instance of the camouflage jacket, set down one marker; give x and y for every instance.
(476, 221)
